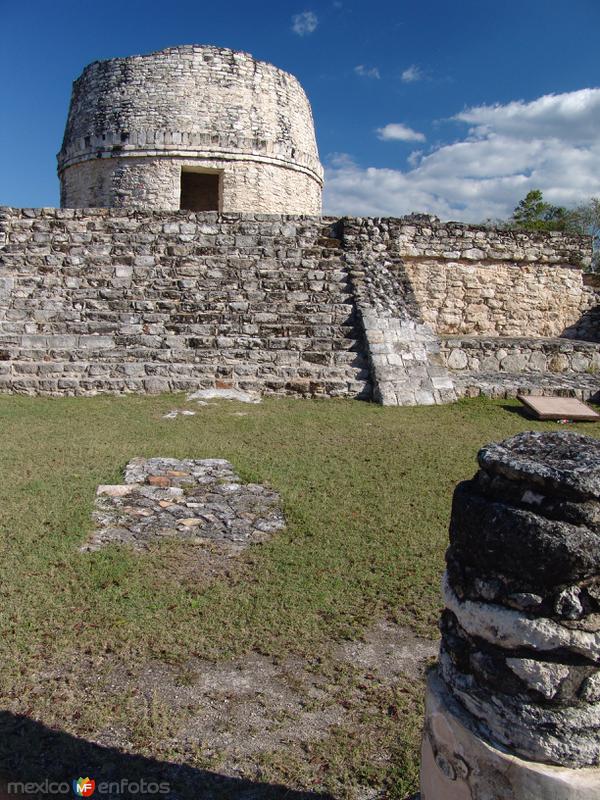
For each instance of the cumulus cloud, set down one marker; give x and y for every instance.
(305, 23)
(367, 72)
(412, 74)
(397, 131)
(550, 144)
(572, 116)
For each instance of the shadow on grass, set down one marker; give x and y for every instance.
(31, 753)
(520, 411)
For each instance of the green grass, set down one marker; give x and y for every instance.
(366, 492)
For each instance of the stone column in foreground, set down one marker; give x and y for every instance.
(513, 707)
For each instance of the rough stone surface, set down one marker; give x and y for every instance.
(472, 280)
(120, 300)
(557, 463)
(539, 676)
(506, 354)
(458, 764)
(202, 502)
(493, 536)
(520, 650)
(134, 124)
(224, 394)
(581, 385)
(123, 301)
(403, 351)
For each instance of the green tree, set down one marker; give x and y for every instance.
(586, 219)
(533, 213)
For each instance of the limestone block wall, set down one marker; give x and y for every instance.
(155, 182)
(116, 301)
(481, 354)
(476, 280)
(403, 350)
(135, 122)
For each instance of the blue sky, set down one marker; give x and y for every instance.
(455, 108)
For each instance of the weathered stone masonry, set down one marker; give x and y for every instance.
(474, 280)
(137, 125)
(513, 708)
(423, 280)
(115, 300)
(107, 300)
(403, 351)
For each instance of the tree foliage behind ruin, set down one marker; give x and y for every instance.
(533, 213)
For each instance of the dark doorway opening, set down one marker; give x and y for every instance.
(200, 191)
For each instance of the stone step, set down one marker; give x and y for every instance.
(293, 383)
(502, 384)
(26, 360)
(134, 347)
(219, 321)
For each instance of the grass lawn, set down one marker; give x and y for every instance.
(109, 648)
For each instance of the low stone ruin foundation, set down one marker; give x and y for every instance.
(201, 502)
(513, 707)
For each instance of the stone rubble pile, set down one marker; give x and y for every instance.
(200, 501)
(520, 646)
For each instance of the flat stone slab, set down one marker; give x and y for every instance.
(559, 408)
(203, 502)
(224, 394)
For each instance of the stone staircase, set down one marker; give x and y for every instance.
(406, 367)
(261, 306)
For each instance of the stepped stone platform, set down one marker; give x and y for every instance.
(122, 300)
(112, 301)
(583, 387)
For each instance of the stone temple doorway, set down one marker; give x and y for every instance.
(200, 191)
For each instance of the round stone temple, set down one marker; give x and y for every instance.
(192, 127)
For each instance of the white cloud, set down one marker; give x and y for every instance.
(397, 131)
(305, 23)
(367, 72)
(573, 117)
(412, 74)
(550, 144)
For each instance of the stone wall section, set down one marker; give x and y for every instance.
(474, 280)
(122, 300)
(246, 186)
(116, 301)
(514, 354)
(501, 366)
